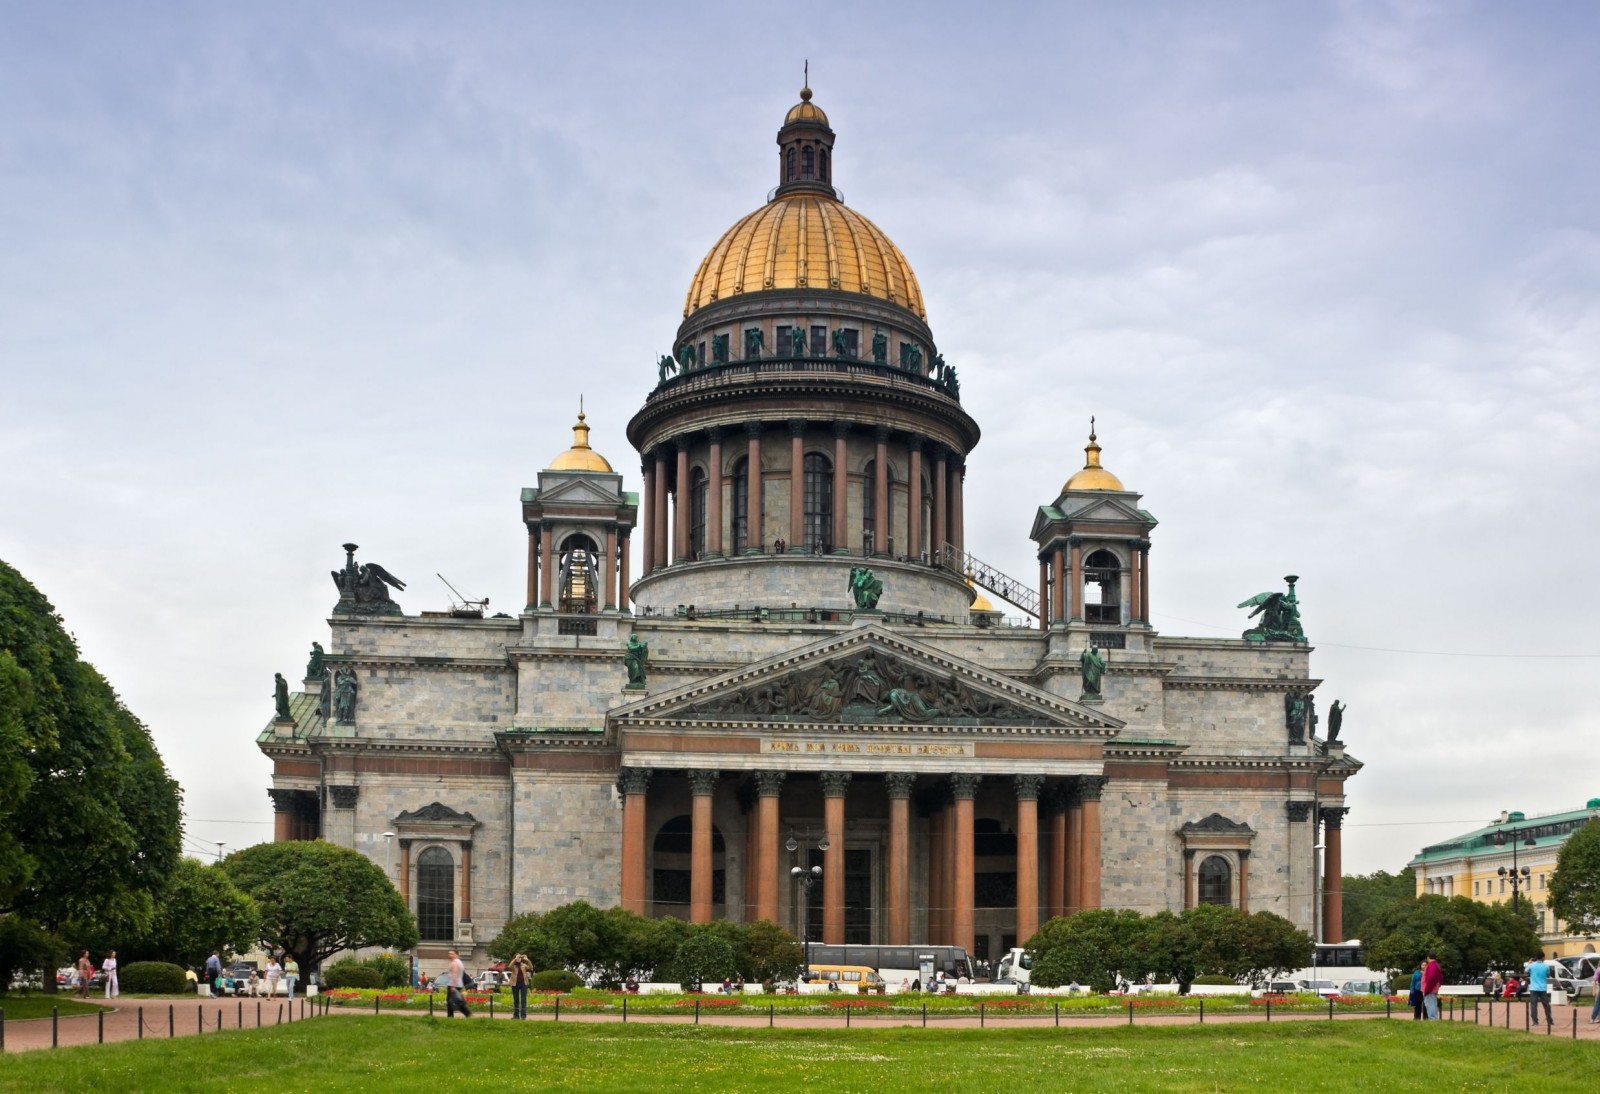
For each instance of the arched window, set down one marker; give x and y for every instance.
(789, 162)
(1102, 588)
(741, 505)
(579, 574)
(673, 850)
(436, 895)
(699, 489)
(822, 164)
(1216, 881)
(807, 163)
(819, 501)
(869, 508)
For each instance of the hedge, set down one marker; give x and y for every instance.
(152, 978)
(555, 980)
(349, 974)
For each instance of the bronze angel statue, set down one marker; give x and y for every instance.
(365, 587)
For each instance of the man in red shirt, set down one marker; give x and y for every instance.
(1432, 981)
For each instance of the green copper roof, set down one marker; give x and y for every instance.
(1550, 830)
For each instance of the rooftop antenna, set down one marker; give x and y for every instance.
(460, 606)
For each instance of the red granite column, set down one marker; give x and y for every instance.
(1332, 870)
(756, 538)
(958, 506)
(941, 511)
(466, 881)
(714, 541)
(632, 781)
(659, 523)
(1188, 878)
(834, 785)
(1135, 597)
(797, 485)
(547, 564)
(405, 872)
(841, 487)
(681, 506)
(1090, 788)
(622, 575)
(282, 815)
(768, 784)
(610, 565)
(1144, 582)
(938, 901)
(533, 565)
(898, 900)
(963, 788)
(1074, 811)
(1044, 592)
(880, 498)
(1027, 855)
(1244, 882)
(1058, 592)
(1056, 875)
(701, 785)
(914, 505)
(647, 515)
(1075, 577)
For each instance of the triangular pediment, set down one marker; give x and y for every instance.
(869, 676)
(435, 813)
(1102, 508)
(579, 491)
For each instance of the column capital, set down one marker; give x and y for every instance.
(1074, 541)
(1028, 786)
(835, 783)
(964, 787)
(769, 784)
(1091, 786)
(1243, 853)
(1298, 811)
(881, 434)
(702, 783)
(841, 429)
(1333, 816)
(1188, 854)
(283, 801)
(797, 427)
(914, 442)
(679, 444)
(344, 797)
(899, 784)
(633, 780)
(753, 428)
(714, 434)
(405, 844)
(466, 846)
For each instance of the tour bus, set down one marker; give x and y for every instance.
(897, 963)
(1335, 964)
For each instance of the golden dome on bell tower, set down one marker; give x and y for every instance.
(1093, 476)
(580, 457)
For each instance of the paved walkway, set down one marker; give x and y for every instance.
(184, 1016)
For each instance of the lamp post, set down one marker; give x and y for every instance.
(1519, 877)
(806, 878)
(388, 856)
(1316, 903)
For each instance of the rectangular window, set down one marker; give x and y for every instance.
(1541, 881)
(701, 356)
(1502, 885)
(852, 343)
(784, 346)
(905, 353)
(819, 341)
(1475, 889)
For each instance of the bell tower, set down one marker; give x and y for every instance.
(805, 148)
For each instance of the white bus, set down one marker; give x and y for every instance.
(897, 963)
(1339, 968)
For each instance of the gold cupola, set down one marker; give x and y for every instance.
(580, 457)
(1093, 476)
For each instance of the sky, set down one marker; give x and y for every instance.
(278, 276)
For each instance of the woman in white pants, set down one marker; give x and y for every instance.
(109, 967)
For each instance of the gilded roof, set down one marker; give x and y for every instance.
(805, 240)
(1093, 476)
(580, 457)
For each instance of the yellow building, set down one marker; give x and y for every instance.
(1509, 860)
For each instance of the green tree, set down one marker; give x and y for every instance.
(1575, 886)
(89, 818)
(705, 956)
(1273, 946)
(199, 910)
(1365, 894)
(1206, 940)
(1468, 937)
(770, 952)
(1091, 947)
(316, 899)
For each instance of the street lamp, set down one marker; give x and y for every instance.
(1520, 878)
(806, 878)
(1316, 903)
(388, 855)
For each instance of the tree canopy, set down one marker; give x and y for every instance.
(315, 899)
(199, 910)
(1467, 936)
(1575, 886)
(89, 818)
(1366, 894)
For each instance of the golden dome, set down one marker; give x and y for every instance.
(805, 240)
(980, 603)
(806, 111)
(580, 457)
(1093, 476)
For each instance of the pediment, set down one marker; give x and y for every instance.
(579, 491)
(1217, 824)
(435, 813)
(870, 676)
(1102, 509)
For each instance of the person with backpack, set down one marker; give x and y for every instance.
(455, 979)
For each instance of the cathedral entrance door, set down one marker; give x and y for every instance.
(858, 890)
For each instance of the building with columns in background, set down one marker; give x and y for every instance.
(776, 654)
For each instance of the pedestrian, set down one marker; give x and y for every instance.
(1415, 998)
(521, 971)
(213, 969)
(85, 974)
(1594, 1011)
(274, 971)
(291, 973)
(1512, 988)
(1539, 991)
(109, 967)
(255, 984)
(1432, 981)
(453, 980)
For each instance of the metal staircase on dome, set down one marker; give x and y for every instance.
(996, 581)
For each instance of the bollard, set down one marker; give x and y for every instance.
(241, 1014)
(1474, 1012)
(624, 1008)
(141, 1026)
(1388, 1007)
(770, 1009)
(375, 1008)
(697, 1012)
(54, 1022)
(1202, 1011)
(924, 1015)
(219, 1019)
(980, 1015)
(1130, 1012)
(172, 1029)
(1527, 1020)
(558, 1008)
(199, 1018)
(3, 1028)
(491, 1006)
(258, 1014)
(100, 1034)
(280, 1014)
(847, 1011)
(1269, 1010)
(1330, 1010)
(1058, 1015)
(1574, 1026)
(430, 1004)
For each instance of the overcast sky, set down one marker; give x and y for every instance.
(277, 276)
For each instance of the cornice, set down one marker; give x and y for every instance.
(701, 726)
(1239, 683)
(422, 661)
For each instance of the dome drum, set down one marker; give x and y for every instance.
(797, 588)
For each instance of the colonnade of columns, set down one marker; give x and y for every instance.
(610, 565)
(1061, 581)
(1069, 850)
(665, 509)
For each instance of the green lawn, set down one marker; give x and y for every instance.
(361, 1053)
(37, 1005)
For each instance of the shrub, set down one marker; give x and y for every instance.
(393, 972)
(1216, 980)
(351, 974)
(152, 978)
(555, 980)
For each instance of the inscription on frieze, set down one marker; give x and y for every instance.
(789, 747)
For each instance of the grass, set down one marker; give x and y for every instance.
(367, 1053)
(37, 1005)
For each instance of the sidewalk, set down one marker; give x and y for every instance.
(119, 1020)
